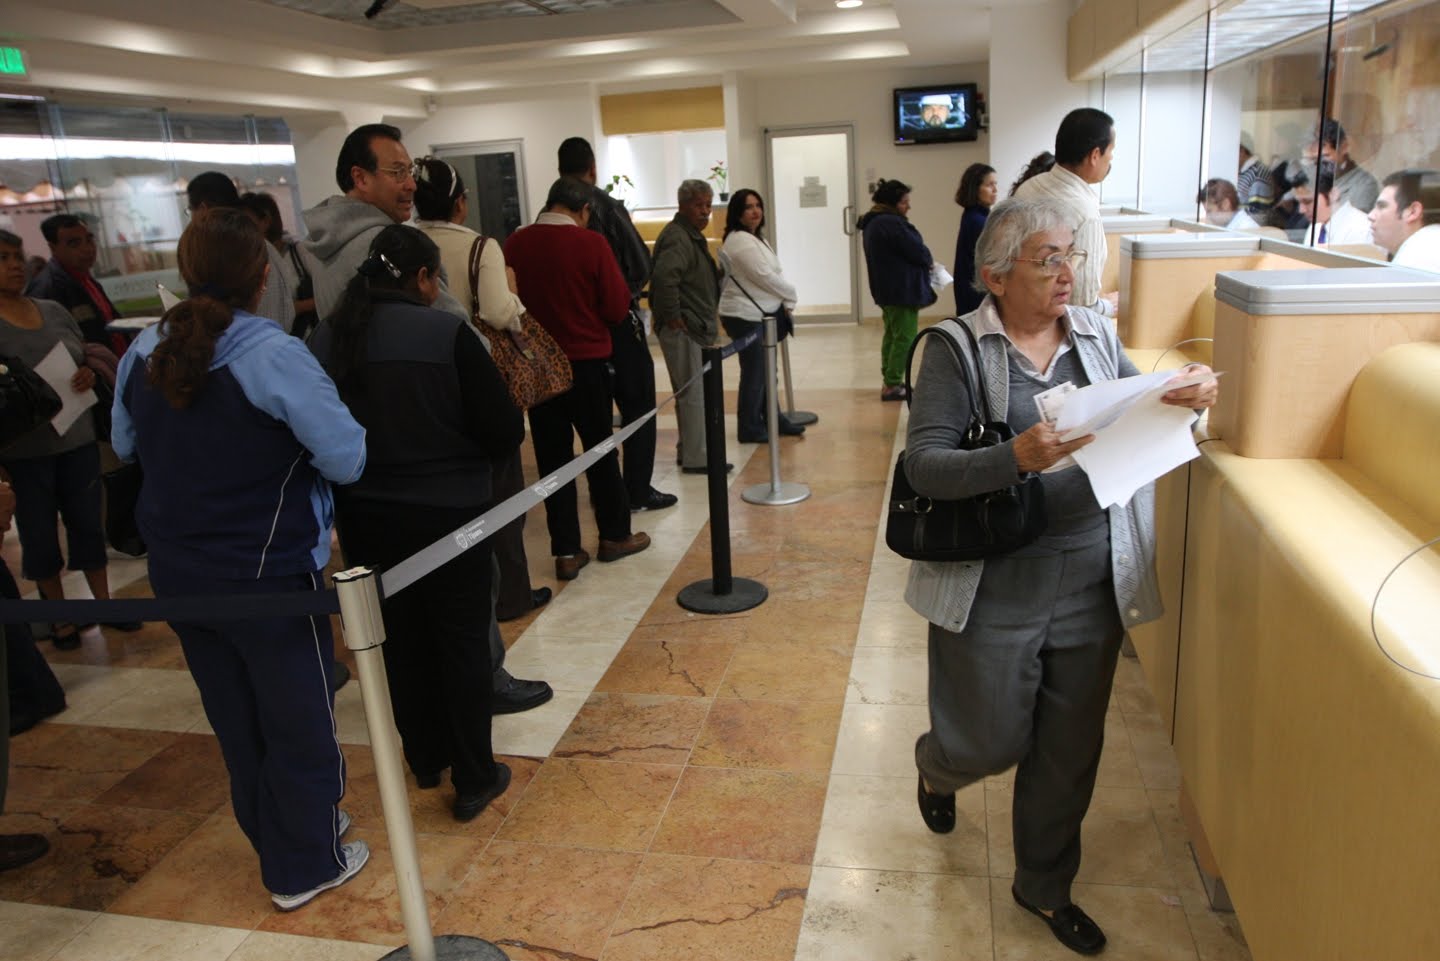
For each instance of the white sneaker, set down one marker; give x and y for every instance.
(342, 823)
(356, 854)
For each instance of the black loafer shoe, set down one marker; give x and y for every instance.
(938, 810)
(655, 501)
(468, 806)
(520, 696)
(539, 597)
(1071, 926)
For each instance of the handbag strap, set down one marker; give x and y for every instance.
(476, 250)
(979, 413)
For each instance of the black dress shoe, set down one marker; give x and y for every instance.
(520, 696)
(539, 597)
(1071, 926)
(702, 469)
(18, 850)
(754, 438)
(938, 810)
(468, 806)
(654, 501)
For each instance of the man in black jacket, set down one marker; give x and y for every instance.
(67, 280)
(634, 386)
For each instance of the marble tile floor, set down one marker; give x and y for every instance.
(701, 788)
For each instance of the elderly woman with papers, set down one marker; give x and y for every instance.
(1022, 647)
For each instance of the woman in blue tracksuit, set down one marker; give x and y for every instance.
(240, 433)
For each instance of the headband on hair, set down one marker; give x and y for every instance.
(373, 265)
(422, 168)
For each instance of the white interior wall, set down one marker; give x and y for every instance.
(1170, 151)
(540, 121)
(1028, 92)
(863, 98)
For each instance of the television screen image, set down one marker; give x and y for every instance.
(939, 114)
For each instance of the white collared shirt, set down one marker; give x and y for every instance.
(987, 321)
(1421, 250)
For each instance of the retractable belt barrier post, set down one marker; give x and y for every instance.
(774, 493)
(721, 593)
(802, 417)
(359, 593)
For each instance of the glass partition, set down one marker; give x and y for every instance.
(125, 170)
(1286, 117)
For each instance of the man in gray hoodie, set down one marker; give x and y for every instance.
(377, 183)
(376, 176)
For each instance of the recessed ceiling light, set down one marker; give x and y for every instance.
(849, 4)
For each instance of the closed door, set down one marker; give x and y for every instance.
(494, 174)
(811, 212)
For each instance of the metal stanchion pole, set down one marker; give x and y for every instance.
(774, 493)
(721, 593)
(802, 417)
(359, 593)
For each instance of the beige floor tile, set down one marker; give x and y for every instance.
(265, 946)
(1150, 739)
(33, 932)
(350, 724)
(874, 823)
(161, 701)
(535, 733)
(1140, 924)
(888, 675)
(889, 622)
(853, 915)
(879, 739)
(566, 663)
(1119, 837)
(1118, 767)
(89, 689)
(115, 937)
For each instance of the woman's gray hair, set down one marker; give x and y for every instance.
(1010, 224)
(691, 189)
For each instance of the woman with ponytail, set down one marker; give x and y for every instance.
(437, 414)
(240, 434)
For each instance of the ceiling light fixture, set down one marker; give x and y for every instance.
(849, 4)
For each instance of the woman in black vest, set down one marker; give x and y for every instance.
(436, 414)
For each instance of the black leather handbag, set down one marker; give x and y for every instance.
(986, 525)
(26, 401)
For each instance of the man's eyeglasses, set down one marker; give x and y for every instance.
(398, 172)
(1050, 266)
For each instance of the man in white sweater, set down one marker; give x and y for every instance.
(1084, 149)
(1406, 219)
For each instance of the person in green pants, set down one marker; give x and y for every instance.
(899, 265)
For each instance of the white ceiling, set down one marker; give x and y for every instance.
(237, 54)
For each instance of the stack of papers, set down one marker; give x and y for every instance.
(1137, 437)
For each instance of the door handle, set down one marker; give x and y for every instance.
(847, 219)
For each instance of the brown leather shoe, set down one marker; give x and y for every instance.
(614, 550)
(567, 566)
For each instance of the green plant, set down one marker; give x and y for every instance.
(718, 176)
(616, 181)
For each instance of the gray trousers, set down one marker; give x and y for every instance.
(683, 361)
(1027, 682)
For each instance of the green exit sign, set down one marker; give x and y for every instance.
(12, 62)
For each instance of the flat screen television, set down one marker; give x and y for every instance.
(940, 113)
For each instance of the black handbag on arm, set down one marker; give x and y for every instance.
(986, 525)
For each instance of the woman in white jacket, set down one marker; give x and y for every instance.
(754, 287)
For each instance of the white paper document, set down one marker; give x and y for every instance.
(1137, 437)
(56, 370)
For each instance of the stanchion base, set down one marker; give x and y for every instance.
(455, 947)
(802, 417)
(701, 598)
(788, 492)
